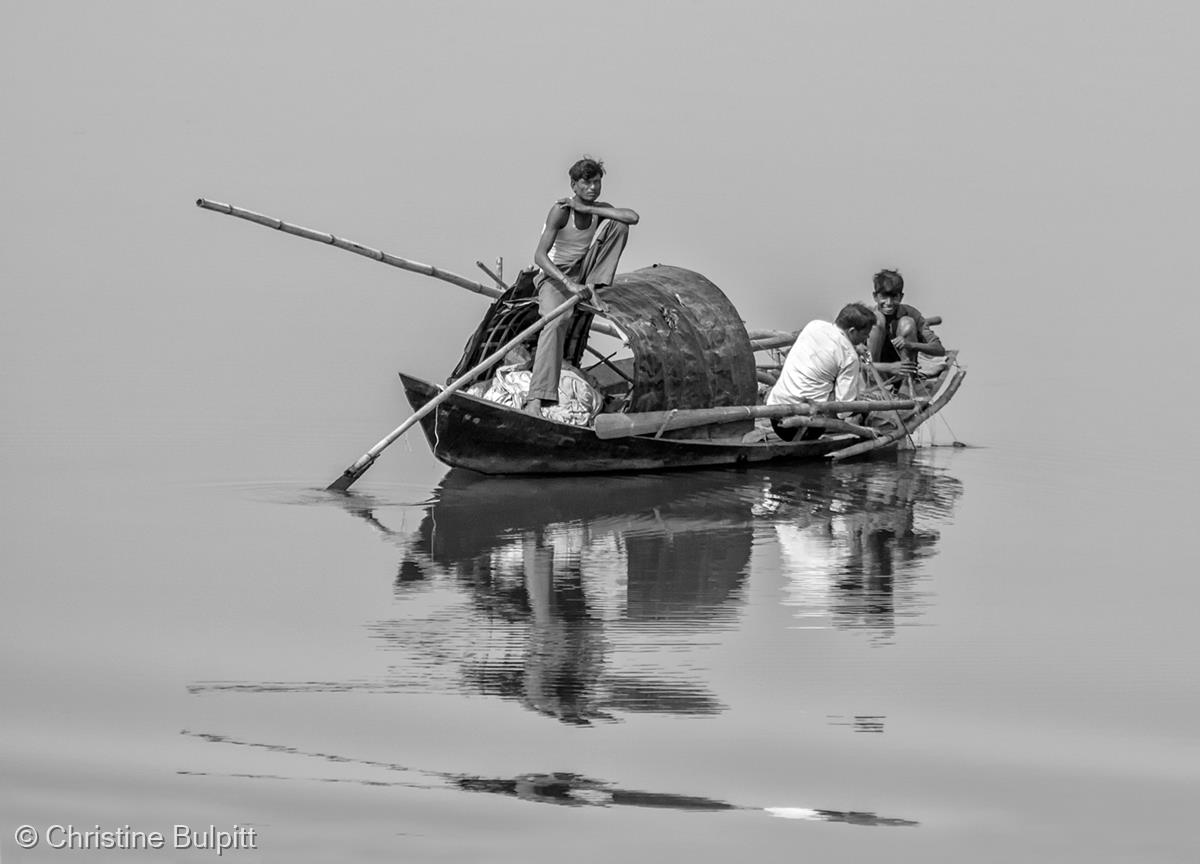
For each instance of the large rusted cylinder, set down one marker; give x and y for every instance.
(689, 343)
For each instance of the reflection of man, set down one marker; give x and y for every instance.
(562, 664)
(847, 538)
(822, 363)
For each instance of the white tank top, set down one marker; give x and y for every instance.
(570, 243)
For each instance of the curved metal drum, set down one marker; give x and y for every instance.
(689, 345)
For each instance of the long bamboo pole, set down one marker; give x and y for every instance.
(496, 277)
(764, 340)
(772, 340)
(766, 334)
(624, 425)
(342, 483)
(374, 254)
(831, 423)
(350, 246)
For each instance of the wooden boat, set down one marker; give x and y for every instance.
(691, 377)
(690, 350)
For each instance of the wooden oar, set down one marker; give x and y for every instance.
(341, 484)
(647, 422)
(588, 348)
(940, 399)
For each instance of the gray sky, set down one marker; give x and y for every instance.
(174, 381)
(1019, 162)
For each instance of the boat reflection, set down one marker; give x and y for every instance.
(584, 599)
(853, 540)
(577, 587)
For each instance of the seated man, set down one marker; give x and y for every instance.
(900, 332)
(822, 363)
(578, 251)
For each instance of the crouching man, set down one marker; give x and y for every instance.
(901, 332)
(822, 365)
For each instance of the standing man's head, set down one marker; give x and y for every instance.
(889, 290)
(585, 177)
(856, 321)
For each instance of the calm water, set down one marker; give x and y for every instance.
(979, 654)
(984, 654)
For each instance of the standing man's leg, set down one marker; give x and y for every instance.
(599, 266)
(547, 357)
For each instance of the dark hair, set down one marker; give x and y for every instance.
(889, 282)
(856, 316)
(586, 168)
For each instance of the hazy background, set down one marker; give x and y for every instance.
(1029, 167)
(170, 376)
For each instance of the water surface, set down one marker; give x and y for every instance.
(923, 655)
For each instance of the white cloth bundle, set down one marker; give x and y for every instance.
(578, 400)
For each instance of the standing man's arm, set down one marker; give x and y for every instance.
(556, 219)
(603, 210)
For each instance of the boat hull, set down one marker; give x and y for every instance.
(468, 432)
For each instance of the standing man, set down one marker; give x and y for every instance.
(822, 363)
(900, 331)
(578, 252)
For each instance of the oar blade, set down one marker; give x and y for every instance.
(359, 468)
(342, 483)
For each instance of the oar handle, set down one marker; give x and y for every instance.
(365, 461)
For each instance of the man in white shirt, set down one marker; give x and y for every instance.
(823, 364)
